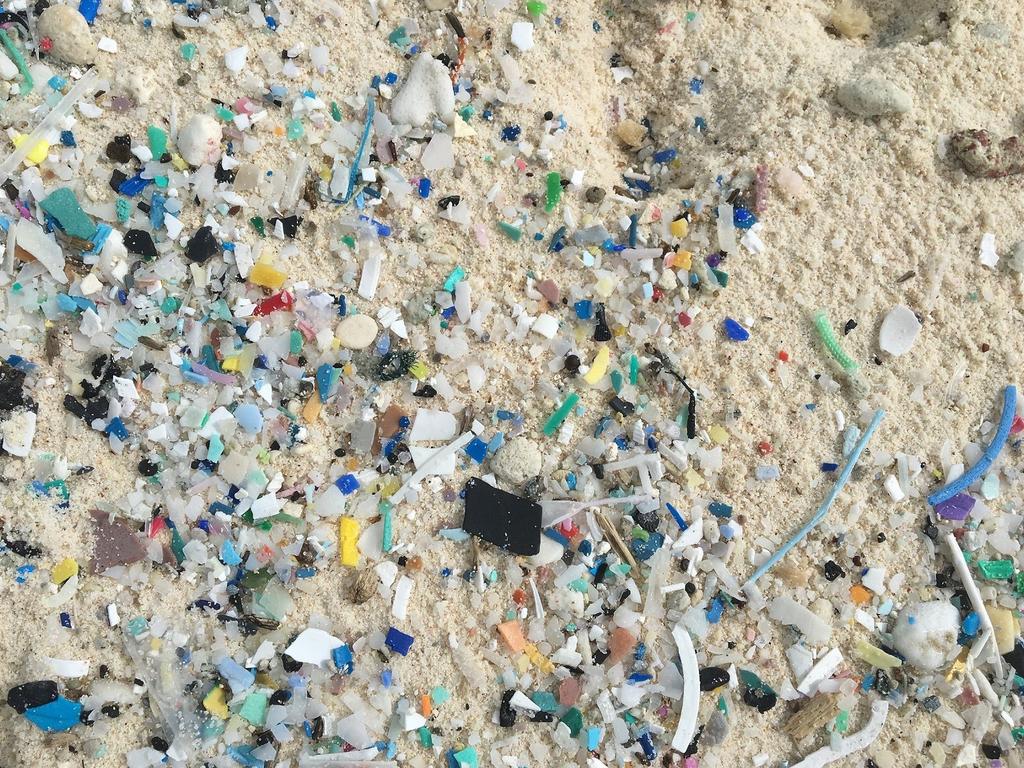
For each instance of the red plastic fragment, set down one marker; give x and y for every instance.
(278, 301)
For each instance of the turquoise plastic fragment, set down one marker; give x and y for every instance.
(63, 206)
(59, 715)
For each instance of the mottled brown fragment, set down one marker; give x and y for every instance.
(982, 156)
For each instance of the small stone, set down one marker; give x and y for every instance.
(357, 331)
(594, 194)
(517, 461)
(568, 692)
(873, 96)
(426, 91)
(116, 543)
(925, 633)
(620, 645)
(549, 290)
(630, 133)
(69, 34)
(199, 141)
(1005, 626)
(899, 331)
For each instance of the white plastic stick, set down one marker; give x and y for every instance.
(691, 690)
(971, 588)
(424, 468)
(84, 87)
(855, 743)
(552, 507)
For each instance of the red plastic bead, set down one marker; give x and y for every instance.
(684, 319)
(783, 355)
(764, 448)
(1017, 426)
(657, 294)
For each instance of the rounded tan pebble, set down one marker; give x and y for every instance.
(357, 331)
(70, 34)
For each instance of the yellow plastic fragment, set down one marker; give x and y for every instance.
(419, 370)
(311, 411)
(599, 367)
(216, 703)
(37, 154)
(64, 570)
(229, 364)
(679, 228)
(693, 479)
(348, 535)
(1005, 625)
(266, 275)
(463, 129)
(718, 435)
(178, 162)
(538, 659)
(683, 260)
(876, 657)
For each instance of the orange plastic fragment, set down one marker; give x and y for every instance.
(425, 706)
(512, 635)
(859, 594)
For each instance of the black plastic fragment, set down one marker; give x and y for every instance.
(509, 521)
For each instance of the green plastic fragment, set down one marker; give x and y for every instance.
(842, 721)
(295, 130)
(467, 758)
(385, 509)
(560, 414)
(157, 141)
(189, 51)
(123, 209)
(63, 206)
(137, 626)
(616, 377)
(536, 8)
(425, 738)
(634, 369)
(170, 305)
(215, 449)
(349, 241)
(335, 112)
(177, 546)
(722, 277)
(996, 570)
(225, 114)
(1017, 733)
(257, 224)
(399, 38)
(457, 276)
(545, 700)
(254, 709)
(722, 705)
(27, 83)
(161, 181)
(574, 719)
(439, 695)
(512, 232)
(467, 112)
(554, 192)
(295, 342)
(828, 338)
(1018, 588)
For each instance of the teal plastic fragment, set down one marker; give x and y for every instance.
(63, 206)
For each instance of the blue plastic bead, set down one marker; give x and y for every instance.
(742, 218)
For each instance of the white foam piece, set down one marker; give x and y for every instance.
(898, 331)
(426, 91)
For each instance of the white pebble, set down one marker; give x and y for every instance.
(357, 331)
(987, 255)
(426, 91)
(873, 96)
(199, 140)
(70, 34)
(899, 331)
(925, 633)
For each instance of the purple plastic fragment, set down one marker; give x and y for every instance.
(956, 508)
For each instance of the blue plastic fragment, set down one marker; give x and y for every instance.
(60, 715)
(238, 677)
(665, 156)
(89, 9)
(347, 483)
(398, 641)
(696, 85)
(743, 218)
(643, 550)
(117, 428)
(67, 138)
(424, 187)
(133, 186)
(342, 658)
(720, 509)
(325, 378)
(584, 309)
(734, 330)
(715, 611)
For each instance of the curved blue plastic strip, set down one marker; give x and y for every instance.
(354, 172)
(809, 526)
(965, 480)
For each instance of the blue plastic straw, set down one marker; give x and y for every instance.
(826, 504)
(354, 172)
(965, 480)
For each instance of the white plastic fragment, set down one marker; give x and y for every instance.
(423, 455)
(67, 667)
(439, 153)
(823, 669)
(858, 741)
(522, 701)
(691, 689)
(426, 91)
(424, 469)
(974, 595)
(19, 430)
(522, 35)
(546, 325)
(370, 276)
(313, 646)
(234, 59)
(787, 611)
(925, 633)
(400, 604)
(31, 237)
(899, 331)
(987, 255)
(431, 425)
(8, 69)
